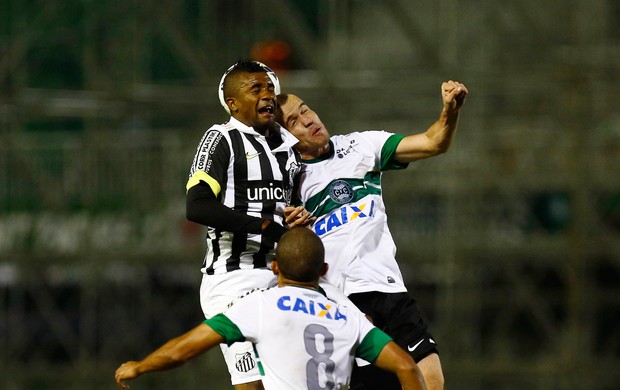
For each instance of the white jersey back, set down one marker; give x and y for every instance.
(343, 190)
(303, 339)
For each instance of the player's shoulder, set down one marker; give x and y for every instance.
(248, 295)
(371, 138)
(222, 128)
(360, 141)
(216, 135)
(357, 137)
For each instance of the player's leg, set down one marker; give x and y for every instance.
(366, 376)
(408, 328)
(250, 386)
(371, 377)
(398, 315)
(432, 372)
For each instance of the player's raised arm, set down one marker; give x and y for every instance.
(172, 354)
(438, 137)
(394, 359)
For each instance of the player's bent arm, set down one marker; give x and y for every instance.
(172, 354)
(438, 137)
(435, 140)
(394, 359)
(201, 206)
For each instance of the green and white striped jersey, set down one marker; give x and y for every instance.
(343, 191)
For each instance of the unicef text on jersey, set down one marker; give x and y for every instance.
(265, 190)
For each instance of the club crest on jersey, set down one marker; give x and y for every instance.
(340, 191)
(342, 216)
(310, 307)
(245, 362)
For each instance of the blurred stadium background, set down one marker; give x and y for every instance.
(511, 241)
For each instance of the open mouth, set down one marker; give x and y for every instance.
(266, 110)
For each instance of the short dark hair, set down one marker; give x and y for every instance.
(245, 65)
(300, 255)
(241, 66)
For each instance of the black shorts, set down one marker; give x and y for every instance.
(398, 315)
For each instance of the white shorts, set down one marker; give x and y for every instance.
(216, 292)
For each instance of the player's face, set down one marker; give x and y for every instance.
(306, 125)
(255, 103)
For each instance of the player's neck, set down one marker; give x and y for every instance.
(287, 282)
(325, 149)
(322, 151)
(267, 131)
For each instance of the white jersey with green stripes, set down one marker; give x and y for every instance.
(343, 191)
(303, 339)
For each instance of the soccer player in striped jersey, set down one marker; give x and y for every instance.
(304, 339)
(340, 186)
(239, 183)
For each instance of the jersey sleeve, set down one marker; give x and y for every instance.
(211, 162)
(244, 312)
(384, 145)
(223, 326)
(372, 344)
(388, 151)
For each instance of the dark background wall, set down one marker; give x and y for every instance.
(510, 242)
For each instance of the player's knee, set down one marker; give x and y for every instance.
(431, 370)
(434, 380)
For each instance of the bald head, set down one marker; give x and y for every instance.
(300, 255)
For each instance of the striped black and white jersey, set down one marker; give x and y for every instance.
(249, 174)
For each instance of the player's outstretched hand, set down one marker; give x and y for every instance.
(453, 94)
(126, 371)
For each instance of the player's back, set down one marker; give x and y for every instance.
(304, 340)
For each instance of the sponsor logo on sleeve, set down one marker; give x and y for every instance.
(206, 150)
(341, 152)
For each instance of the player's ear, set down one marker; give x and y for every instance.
(274, 267)
(324, 269)
(232, 105)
